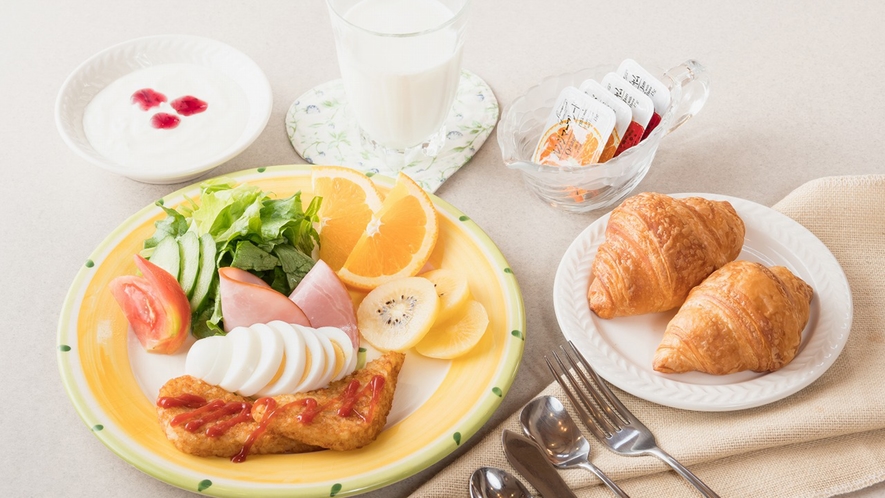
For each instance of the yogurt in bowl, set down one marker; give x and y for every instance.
(164, 109)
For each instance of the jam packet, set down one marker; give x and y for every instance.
(623, 116)
(658, 92)
(576, 131)
(640, 105)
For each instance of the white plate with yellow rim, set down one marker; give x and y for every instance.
(114, 395)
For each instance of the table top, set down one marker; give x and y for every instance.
(795, 95)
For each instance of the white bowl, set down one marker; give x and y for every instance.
(119, 60)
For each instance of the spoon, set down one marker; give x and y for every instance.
(546, 421)
(489, 482)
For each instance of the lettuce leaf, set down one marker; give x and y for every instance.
(271, 238)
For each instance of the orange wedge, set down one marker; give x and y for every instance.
(397, 241)
(349, 201)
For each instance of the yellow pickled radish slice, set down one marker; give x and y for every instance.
(457, 336)
(452, 289)
(396, 315)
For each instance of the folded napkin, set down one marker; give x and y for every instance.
(827, 439)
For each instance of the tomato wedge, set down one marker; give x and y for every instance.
(157, 309)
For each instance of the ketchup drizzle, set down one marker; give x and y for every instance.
(245, 415)
(186, 400)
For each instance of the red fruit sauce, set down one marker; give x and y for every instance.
(147, 98)
(188, 105)
(164, 121)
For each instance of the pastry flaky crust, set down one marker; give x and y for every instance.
(743, 317)
(657, 248)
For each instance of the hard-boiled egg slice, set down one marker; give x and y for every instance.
(268, 361)
(345, 353)
(209, 358)
(316, 361)
(329, 352)
(292, 364)
(246, 352)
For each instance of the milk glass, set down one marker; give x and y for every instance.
(401, 62)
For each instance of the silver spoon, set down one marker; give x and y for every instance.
(489, 482)
(546, 421)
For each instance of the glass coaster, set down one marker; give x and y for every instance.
(323, 131)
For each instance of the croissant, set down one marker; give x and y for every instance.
(743, 317)
(657, 248)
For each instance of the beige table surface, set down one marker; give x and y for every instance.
(797, 94)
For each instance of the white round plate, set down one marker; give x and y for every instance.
(117, 61)
(621, 349)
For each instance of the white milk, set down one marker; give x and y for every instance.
(122, 131)
(401, 88)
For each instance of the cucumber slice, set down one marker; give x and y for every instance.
(189, 246)
(206, 274)
(167, 257)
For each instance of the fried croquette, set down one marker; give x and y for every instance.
(231, 441)
(349, 414)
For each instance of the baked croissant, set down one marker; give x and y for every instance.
(657, 248)
(743, 317)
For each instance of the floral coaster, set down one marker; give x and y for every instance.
(323, 130)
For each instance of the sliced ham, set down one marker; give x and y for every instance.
(326, 302)
(247, 300)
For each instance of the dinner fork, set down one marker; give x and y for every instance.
(607, 418)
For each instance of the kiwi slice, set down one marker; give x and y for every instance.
(458, 336)
(397, 315)
(453, 291)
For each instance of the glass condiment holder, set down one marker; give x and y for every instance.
(598, 186)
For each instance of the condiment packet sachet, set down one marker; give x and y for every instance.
(623, 116)
(576, 131)
(640, 105)
(658, 92)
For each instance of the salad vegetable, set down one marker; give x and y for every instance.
(155, 305)
(236, 225)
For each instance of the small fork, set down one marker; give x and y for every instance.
(607, 418)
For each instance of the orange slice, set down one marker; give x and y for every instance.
(397, 241)
(349, 201)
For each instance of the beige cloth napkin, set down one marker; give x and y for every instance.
(827, 439)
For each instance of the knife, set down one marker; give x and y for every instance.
(525, 456)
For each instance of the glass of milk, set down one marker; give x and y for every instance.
(401, 62)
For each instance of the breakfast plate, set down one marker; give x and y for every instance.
(621, 350)
(438, 404)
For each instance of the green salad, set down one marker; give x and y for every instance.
(235, 225)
